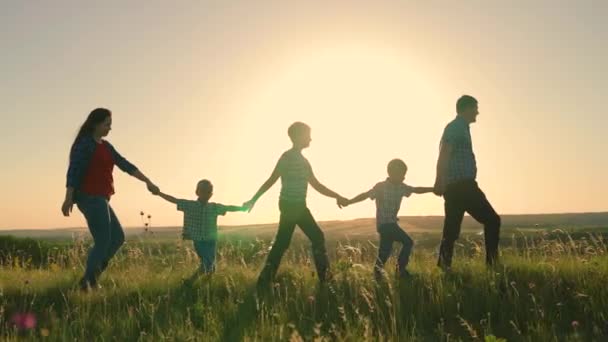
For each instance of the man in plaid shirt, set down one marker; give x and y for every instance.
(388, 196)
(456, 182)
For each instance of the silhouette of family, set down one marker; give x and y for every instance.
(90, 186)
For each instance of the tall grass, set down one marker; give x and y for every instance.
(550, 286)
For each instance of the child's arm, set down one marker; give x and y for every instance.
(422, 190)
(166, 197)
(359, 198)
(267, 185)
(233, 208)
(323, 190)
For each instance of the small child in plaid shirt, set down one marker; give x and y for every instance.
(388, 195)
(200, 222)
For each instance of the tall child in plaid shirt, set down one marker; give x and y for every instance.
(295, 173)
(200, 222)
(388, 195)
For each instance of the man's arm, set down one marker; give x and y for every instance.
(445, 153)
(276, 174)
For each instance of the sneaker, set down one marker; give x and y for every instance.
(87, 285)
(446, 269)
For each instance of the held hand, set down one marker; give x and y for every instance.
(438, 189)
(249, 205)
(67, 206)
(342, 202)
(153, 188)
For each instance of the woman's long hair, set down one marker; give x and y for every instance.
(97, 116)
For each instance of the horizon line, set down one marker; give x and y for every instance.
(321, 221)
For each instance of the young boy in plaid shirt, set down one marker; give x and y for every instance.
(388, 195)
(200, 222)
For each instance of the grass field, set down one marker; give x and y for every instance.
(551, 286)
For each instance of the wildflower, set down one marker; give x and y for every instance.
(575, 324)
(24, 321)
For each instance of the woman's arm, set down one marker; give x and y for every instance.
(151, 186)
(68, 202)
(126, 166)
(80, 157)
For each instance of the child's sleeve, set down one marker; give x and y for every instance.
(221, 209)
(181, 205)
(407, 190)
(373, 193)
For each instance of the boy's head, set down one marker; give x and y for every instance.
(467, 107)
(299, 133)
(396, 170)
(204, 190)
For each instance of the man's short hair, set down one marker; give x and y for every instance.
(464, 102)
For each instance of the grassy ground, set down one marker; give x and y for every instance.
(551, 286)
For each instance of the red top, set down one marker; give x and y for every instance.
(98, 180)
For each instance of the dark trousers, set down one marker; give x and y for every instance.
(107, 234)
(389, 233)
(467, 197)
(291, 215)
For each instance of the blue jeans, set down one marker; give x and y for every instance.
(390, 233)
(206, 251)
(107, 234)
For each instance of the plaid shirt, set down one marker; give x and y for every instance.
(200, 220)
(462, 164)
(388, 198)
(295, 171)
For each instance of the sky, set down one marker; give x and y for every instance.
(207, 89)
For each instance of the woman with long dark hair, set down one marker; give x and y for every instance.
(90, 185)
